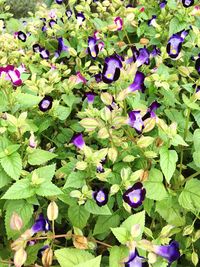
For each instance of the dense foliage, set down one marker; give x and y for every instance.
(100, 139)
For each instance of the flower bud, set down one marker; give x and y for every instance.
(80, 242)
(47, 257)
(18, 244)
(20, 257)
(52, 211)
(16, 222)
(144, 41)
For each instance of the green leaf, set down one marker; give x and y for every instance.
(23, 209)
(176, 26)
(93, 208)
(91, 263)
(62, 113)
(121, 233)
(168, 159)
(190, 196)
(46, 172)
(107, 222)
(196, 139)
(170, 211)
(154, 185)
(32, 252)
(196, 158)
(48, 189)
(27, 100)
(4, 178)
(71, 257)
(75, 180)
(78, 216)
(39, 156)
(12, 165)
(117, 255)
(19, 190)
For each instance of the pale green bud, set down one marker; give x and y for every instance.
(52, 211)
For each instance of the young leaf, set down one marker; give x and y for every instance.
(75, 180)
(48, 189)
(12, 165)
(46, 172)
(93, 208)
(39, 156)
(168, 159)
(121, 234)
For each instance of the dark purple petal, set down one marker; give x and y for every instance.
(155, 52)
(80, 17)
(135, 260)
(197, 65)
(163, 4)
(36, 48)
(119, 23)
(169, 252)
(135, 120)
(61, 46)
(44, 28)
(14, 75)
(100, 169)
(174, 45)
(152, 20)
(138, 83)
(44, 53)
(143, 57)
(59, 2)
(101, 197)
(98, 77)
(41, 225)
(68, 13)
(78, 141)
(52, 22)
(21, 36)
(90, 97)
(111, 69)
(46, 103)
(93, 48)
(135, 195)
(187, 3)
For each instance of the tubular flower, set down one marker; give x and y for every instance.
(155, 52)
(138, 83)
(119, 23)
(141, 56)
(44, 54)
(80, 18)
(68, 13)
(21, 36)
(151, 110)
(135, 120)
(101, 197)
(187, 3)
(12, 74)
(36, 48)
(61, 46)
(111, 69)
(46, 103)
(90, 97)
(163, 4)
(40, 225)
(135, 260)
(152, 21)
(93, 48)
(134, 196)
(78, 141)
(174, 44)
(52, 22)
(170, 252)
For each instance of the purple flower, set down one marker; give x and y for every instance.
(80, 18)
(44, 28)
(44, 53)
(59, 2)
(187, 3)
(135, 260)
(135, 195)
(155, 52)
(36, 48)
(61, 46)
(119, 23)
(80, 78)
(163, 4)
(111, 69)
(151, 110)
(46, 103)
(68, 13)
(100, 169)
(101, 197)
(174, 44)
(21, 36)
(52, 22)
(90, 97)
(143, 57)
(197, 65)
(78, 141)
(135, 120)
(170, 252)
(138, 83)
(93, 48)
(12, 74)
(41, 225)
(152, 21)
(101, 45)
(98, 77)
(96, 35)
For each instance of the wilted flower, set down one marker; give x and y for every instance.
(46, 103)
(96, 35)
(21, 36)
(135, 195)
(93, 48)
(196, 11)
(20, 257)
(16, 222)
(170, 252)
(40, 225)
(101, 196)
(47, 257)
(90, 97)
(138, 83)
(80, 242)
(101, 45)
(111, 69)
(80, 17)
(135, 260)
(78, 141)
(119, 23)
(187, 3)
(174, 44)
